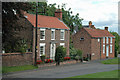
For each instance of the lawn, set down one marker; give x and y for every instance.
(108, 74)
(110, 61)
(17, 68)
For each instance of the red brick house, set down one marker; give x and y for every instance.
(52, 32)
(95, 43)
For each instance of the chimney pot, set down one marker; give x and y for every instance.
(106, 28)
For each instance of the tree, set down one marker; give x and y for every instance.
(60, 54)
(11, 42)
(117, 42)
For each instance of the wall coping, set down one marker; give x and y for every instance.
(5, 54)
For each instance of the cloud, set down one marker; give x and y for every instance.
(100, 12)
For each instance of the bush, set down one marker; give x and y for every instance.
(79, 53)
(73, 53)
(60, 54)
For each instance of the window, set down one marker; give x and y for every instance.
(107, 40)
(42, 34)
(98, 39)
(111, 40)
(110, 48)
(42, 49)
(62, 34)
(103, 49)
(81, 38)
(53, 34)
(62, 44)
(103, 39)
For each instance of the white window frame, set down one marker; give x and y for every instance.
(63, 34)
(107, 40)
(44, 34)
(110, 48)
(42, 44)
(62, 44)
(103, 49)
(98, 39)
(53, 34)
(103, 39)
(110, 39)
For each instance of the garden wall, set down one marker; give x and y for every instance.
(17, 59)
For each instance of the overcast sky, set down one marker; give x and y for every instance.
(101, 12)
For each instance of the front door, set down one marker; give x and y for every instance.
(107, 50)
(52, 51)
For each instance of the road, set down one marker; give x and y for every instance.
(64, 71)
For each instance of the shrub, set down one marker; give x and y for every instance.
(39, 61)
(60, 54)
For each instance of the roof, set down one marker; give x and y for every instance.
(46, 21)
(98, 33)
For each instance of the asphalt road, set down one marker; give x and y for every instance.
(64, 71)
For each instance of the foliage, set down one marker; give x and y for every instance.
(11, 42)
(78, 55)
(73, 51)
(110, 61)
(117, 42)
(17, 68)
(60, 54)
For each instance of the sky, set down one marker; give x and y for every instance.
(102, 13)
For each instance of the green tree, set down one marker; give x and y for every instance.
(60, 54)
(117, 42)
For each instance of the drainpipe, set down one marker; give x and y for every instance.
(100, 48)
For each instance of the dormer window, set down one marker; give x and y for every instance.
(82, 38)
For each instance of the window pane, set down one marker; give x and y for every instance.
(62, 35)
(42, 35)
(53, 35)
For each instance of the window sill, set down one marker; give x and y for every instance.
(42, 39)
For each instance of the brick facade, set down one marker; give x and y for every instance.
(17, 59)
(91, 45)
(48, 41)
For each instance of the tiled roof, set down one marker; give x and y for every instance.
(46, 21)
(98, 33)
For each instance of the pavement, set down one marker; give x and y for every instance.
(63, 71)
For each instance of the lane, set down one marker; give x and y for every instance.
(65, 71)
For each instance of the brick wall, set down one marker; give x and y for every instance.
(17, 59)
(48, 41)
(95, 49)
(84, 45)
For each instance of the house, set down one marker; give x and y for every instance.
(95, 43)
(52, 32)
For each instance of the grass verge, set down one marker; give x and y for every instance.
(108, 74)
(110, 61)
(18, 68)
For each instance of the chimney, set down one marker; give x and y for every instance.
(106, 28)
(58, 14)
(90, 24)
(23, 12)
